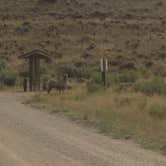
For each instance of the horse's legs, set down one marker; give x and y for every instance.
(60, 91)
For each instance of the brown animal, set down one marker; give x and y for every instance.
(59, 85)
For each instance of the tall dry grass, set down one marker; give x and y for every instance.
(125, 115)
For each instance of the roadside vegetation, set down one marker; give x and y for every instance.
(129, 108)
(7, 77)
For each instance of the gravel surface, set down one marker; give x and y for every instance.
(29, 137)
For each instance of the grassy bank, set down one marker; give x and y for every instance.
(122, 115)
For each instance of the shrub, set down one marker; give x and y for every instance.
(128, 76)
(152, 86)
(158, 111)
(50, 1)
(96, 78)
(122, 80)
(95, 83)
(10, 79)
(7, 77)
(2, 65)
(74, 72)
(46, 72)
(159, 69)
(118, 80)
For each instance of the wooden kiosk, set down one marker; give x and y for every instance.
(34, 58)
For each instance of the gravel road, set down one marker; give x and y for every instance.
(30, 137)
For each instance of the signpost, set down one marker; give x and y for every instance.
(104, 70)
(34, 58)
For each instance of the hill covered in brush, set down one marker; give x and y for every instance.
(76, 33)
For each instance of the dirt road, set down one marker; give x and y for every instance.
(30, 137)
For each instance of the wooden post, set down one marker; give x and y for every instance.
(37, 73)
(34, 73)
(104, 78)
(25, 84)
(104, 69)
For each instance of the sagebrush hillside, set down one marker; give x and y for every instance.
(77, 33)
(132, 33)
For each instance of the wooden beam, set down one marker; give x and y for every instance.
(34, 73)
(38, 73)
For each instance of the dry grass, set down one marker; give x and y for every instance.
(121, 115)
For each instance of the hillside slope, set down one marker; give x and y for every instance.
(79, 31)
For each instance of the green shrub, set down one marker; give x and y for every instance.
(118, 80)
(96, 78)
(10, 79)
(46, 72)
(158, 111)
(95, 82)
(122, 80)
(152, 86)
(7, 78)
